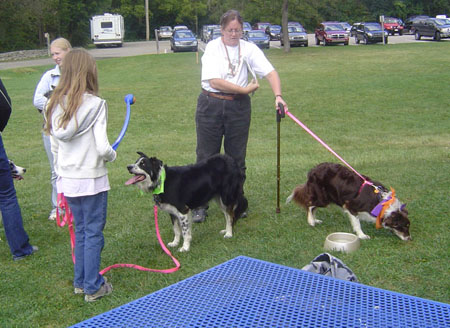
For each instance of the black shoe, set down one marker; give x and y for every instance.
(199, 215)
(18, 258)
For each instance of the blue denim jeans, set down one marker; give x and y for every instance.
(89, 214)
(12, 217)
(53, 176)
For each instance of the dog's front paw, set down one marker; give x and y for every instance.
(226, 234)
(173, 244)
(313, 222)
(363, 236)
(183, 249)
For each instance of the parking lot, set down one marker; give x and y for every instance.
(151, 47)
(392, 39)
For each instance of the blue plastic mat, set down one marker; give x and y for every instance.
(246, 292)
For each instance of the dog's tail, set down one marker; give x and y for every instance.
(241, 207)
(299, 195)
(232, 194)
(289, 199)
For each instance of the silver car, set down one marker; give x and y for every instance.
(165, 32)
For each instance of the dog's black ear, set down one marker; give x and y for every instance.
(142, 154)
(156, 162)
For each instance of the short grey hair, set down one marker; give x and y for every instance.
(229, 16)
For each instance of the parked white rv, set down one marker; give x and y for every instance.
(107, 29)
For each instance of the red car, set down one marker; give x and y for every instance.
(331, 33)
(393, 25)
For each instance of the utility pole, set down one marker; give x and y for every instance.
(147, 23)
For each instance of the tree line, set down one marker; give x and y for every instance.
(24, 22)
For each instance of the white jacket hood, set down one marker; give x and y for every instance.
(86, 116)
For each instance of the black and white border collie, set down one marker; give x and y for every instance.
(17, 172)
(330, 183)
(188, 187)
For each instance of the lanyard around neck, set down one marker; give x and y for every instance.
(231, 66)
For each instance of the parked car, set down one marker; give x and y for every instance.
(261, 26)
(331, 33)
(369, 32)
(165, 32)
(210, 31)
(393, 25)
(274, 32)
(204, 32)
(183, 40)
(437, 28)
(346, 26)
(408, 24)
(292, 23)
(258, 37)
(297, 36)
(216, 33)
(247, 27)
(180, 27)
(353, 29)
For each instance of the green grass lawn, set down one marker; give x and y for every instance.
(384, 109)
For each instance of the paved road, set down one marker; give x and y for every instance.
(151, 47)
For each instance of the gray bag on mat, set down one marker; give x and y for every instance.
(329, 265)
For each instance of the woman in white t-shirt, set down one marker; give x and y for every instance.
(224, 106)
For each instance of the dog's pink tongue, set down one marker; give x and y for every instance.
(135, 179)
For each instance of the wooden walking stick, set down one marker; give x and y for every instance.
(280, 115)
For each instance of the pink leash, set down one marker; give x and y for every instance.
(138, 267)
(296, 120)
(68, 219)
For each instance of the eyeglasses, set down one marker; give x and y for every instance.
(233, 31)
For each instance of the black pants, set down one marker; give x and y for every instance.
(220, 120)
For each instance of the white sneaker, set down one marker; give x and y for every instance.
(52, 216)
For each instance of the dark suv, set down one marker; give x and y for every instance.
(370, 33)
(436, 28)
(409, 22)
(331, 33)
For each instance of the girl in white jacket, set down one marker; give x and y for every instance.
(76, 122)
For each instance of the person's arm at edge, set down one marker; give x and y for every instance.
(275, 84)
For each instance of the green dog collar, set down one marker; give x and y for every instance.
(160, 188)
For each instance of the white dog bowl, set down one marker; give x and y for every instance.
(342, 241)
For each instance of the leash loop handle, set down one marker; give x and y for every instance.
(67, 219)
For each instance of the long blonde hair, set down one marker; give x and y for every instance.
(78, 76)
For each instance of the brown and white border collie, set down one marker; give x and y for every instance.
(330, 183)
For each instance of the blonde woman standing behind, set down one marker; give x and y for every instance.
(48, 82)
(76, 121)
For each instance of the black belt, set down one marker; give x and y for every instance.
(223, 95)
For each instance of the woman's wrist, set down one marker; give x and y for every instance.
(276, 96)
